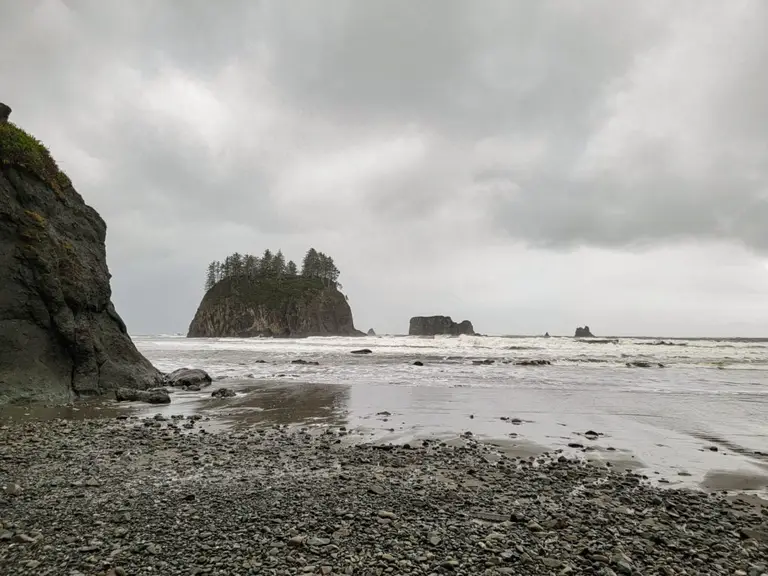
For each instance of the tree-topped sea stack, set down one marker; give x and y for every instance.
(60, 336)
(249, 296)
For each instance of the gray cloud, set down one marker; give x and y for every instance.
(398, 135)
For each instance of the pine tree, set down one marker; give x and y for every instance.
(290, 269)
(237, 264)
(249, 265)
(210, 278)
(309, 267)
(226, 268)
(266, 263)
(278, 264)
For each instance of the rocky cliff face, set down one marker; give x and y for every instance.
(289, 307)
(434, 325)
(60, 336)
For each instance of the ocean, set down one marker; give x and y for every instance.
(696, 416)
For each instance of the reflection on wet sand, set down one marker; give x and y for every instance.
(83, 410)
(723, 480)
(285, 404)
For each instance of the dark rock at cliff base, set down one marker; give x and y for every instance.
(291, 307)
(60, 335)
(188, 377)
(5, 112)
(434, 325)
(154, 396)
(583, 333)
(371, 332)
(363, 351)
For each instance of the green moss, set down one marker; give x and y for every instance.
(22, 150)
(35, 217)
(270, 292)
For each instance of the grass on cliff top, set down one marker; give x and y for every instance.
(22, 150)
(269, 292)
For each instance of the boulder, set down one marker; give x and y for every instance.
(153, 396)
(188, 377)
(363, 351)
(438, 325)
(223, 393)
(583, 332)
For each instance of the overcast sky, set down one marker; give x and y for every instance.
(529, 166)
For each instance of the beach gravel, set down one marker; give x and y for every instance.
(121, 498)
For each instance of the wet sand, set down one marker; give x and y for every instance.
(394, 415)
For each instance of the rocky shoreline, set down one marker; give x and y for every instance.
(163, 496)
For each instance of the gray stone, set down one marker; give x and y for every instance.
(187, 377)
(535, 526)
(24, 539)
(153, 396)
(318, 541)
(296, 541)
(491, 516)
(13, 489)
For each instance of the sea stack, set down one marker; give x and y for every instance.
(60, 335)
(438, 325)
(583, 332)
(297, 307)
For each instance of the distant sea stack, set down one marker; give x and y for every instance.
(435, 325)
(60, 336)
(583, 333)
(250, 296)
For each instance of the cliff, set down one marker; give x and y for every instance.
(287, 307)
(60, 336)
(434, 325)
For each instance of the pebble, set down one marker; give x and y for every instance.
(280, 501)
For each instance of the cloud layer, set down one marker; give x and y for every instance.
(413, 141)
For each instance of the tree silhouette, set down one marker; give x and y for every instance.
(317, 265)
(278, 264)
